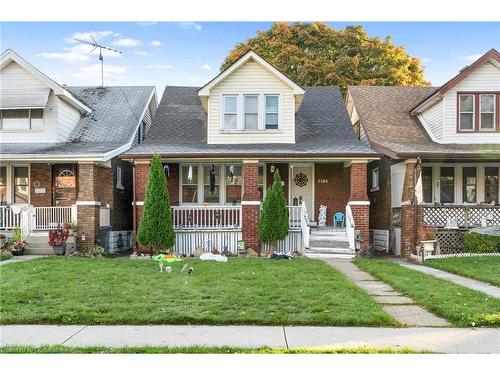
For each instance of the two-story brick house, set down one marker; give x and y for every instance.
(221, 143)
(58, 153)
(445, 138)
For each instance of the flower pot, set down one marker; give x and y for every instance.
(17, 252)
(428, 247)
(59, 250)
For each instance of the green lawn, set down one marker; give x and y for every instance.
(260, 291)
(60, 349)
(486, 269)
(461, 306)
(5, 256)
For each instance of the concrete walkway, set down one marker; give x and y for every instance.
(21, 258)
(479, 286)
(441, 340)
(402, 308)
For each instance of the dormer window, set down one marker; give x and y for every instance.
(21, 119)
(466, 112)
(487, 115)
(230, 121)
(272, 114)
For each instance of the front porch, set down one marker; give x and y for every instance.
(216, 204)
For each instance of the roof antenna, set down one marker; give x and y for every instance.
(101, 58)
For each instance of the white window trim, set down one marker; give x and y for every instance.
(30, 120)
(473, 113)
(240, 112)
(119, 179)
(10, 181)
(375, 179)
(493, 129)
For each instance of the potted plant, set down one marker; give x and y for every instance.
(58, 238)
(18, 246)
(428, 239)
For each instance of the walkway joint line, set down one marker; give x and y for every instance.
(73, 335)
(286, 340)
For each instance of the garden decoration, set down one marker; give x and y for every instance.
(168, 269)
(300, 179)
(58, 238)
(322, 216)
(190, 272)
(164, 259)
(281, 255)
(216, 257)
(18, 246)
(185, 267)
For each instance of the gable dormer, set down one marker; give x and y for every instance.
(466, 109)
(33, 108)
(251, 102)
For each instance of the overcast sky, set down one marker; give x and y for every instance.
(190, 53)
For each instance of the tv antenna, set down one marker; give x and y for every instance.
(101, 58)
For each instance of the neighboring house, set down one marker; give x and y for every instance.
(58, 148)
(452, 133)
(222, 142)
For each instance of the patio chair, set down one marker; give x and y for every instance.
(338, 217)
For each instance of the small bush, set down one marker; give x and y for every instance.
(481, 243)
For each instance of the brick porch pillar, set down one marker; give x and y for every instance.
(250, 205)
(87, 206)
(360, 204)
(408, 228)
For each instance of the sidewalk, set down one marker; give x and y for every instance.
(21, 258)
(479, 286)
(441, 340)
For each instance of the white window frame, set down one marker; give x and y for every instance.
(237, 113)
(30, 122)
(375, 179)
(119, 178)
(244, 112)
(265, 112)
(492, 129)
(473, 113)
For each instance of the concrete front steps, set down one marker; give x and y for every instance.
(38, 244)
(328, 243)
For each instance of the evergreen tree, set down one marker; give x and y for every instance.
(156, 229)
(274, 222)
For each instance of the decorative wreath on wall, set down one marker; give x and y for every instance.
(300, 179)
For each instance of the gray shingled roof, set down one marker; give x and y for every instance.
(116, 111)
(384, 113)
(322, 128)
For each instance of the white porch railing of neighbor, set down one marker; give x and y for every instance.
(304, 225)
(207, 217)
(462, 216)
(294, 216)
(46, 218)
(104, 217)
(8, 219)
(349, 227)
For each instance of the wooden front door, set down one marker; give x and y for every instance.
(64, 184)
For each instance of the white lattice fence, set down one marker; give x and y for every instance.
(463, 216)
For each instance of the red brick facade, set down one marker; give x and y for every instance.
(43, 174)
(251, 210)
(331, 189)
(360, 211)
(87, 212)
(408, 222)
(380, 199)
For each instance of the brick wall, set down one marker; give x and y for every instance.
(251, 212)
(283, 168)
(335, 193)
(358, 191)
(380, 200)
(88, 215)
(408, 228)
(43, 174)
(360, 213)
(105, 184)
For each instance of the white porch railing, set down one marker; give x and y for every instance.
(463, 216)
(349, 227)
(206, 217)
(304, 225)
(8, 220)
(46, 218)
(294, 216)
(104, 217)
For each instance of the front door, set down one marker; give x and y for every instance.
(301, 187)
(64, 184)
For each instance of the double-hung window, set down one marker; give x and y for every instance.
(487, 112)
(272, 112)
(469, 183)
(491, 184)
(234, 181)
(189, 184)
(251, 112)
(447, 182)
(466, 112)
(427, 184)
(3, 186)
(230, 120)
(21, 185)
(211, 183)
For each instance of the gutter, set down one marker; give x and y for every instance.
(308, 156)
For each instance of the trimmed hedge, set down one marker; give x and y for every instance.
(480, 243)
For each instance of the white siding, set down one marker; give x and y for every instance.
(248, 79)
(19, 82)
(485, 78)
(433, 121)
(67, 118)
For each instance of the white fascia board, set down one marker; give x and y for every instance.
(52, 157)
(205, 90)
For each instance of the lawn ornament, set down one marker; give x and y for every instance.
(168, 269)
(190, 272)
(164, 259)
(322, 216)
(185, 267)
(216, 257)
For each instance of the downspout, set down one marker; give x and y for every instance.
(134, 206)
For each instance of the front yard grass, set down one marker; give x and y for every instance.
(259, 291)
(462, 306)
(60, 349)
(5, 256)
(485, 268)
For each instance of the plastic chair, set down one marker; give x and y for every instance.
(338, 217)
